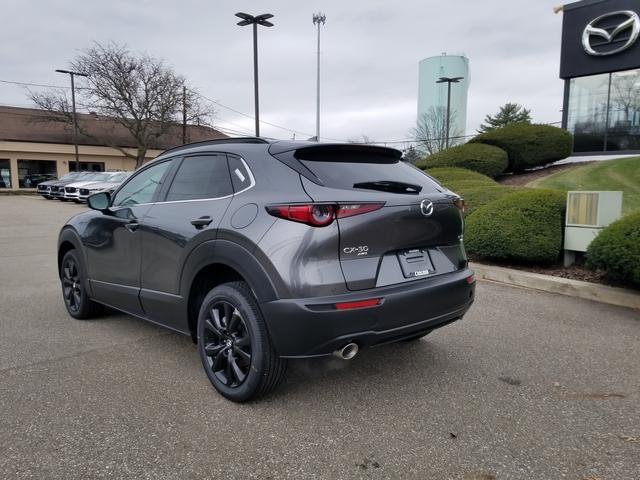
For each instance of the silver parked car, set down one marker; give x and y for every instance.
(113, 181)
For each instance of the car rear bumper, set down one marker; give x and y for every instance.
(313, 326)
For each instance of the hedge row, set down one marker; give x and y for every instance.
(523, 226)
(528, 145)
(485, 159)
(616, 250)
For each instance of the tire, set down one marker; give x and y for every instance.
(417, 337)
(237, 357)
(73, 279)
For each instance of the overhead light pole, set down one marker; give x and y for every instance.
(255, 21)
(73, 107)
(318, 19)
(448, 81)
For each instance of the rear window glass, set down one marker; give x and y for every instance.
(344, 174)
(198, 177)
(240, 176)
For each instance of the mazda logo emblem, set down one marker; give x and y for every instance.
(426, 208)
(605, 36)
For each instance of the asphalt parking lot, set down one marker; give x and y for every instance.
(529, 385)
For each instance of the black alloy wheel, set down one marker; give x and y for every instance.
(234, 345)
(71, 285)
(74, 292)
(227, 344)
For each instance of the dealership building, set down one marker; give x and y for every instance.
(600, 66)
(33, 148)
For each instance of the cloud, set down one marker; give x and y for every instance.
(370, 51)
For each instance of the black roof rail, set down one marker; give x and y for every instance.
(217, 141)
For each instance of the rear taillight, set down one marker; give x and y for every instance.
(317, 215)
(320, 214)
(460, 203)
(351, 209)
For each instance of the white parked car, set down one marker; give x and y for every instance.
(71, 189)
(110, 183)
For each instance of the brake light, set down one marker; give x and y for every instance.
(320, 214)
(471, 278)
(370, 302)
(460, 203)
(317, 215)
(349, 210)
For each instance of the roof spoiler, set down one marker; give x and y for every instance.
(312, 150)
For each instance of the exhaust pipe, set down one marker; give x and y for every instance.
(347, 352)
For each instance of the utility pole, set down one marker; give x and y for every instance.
(255, 21)
(73, 107)
(184, 114)
(318, 19)
(449, 81)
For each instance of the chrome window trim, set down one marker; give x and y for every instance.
(251, 185)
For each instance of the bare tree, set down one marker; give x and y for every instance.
(361, 139)
(139, 92)
(626, 94)
(431, 130)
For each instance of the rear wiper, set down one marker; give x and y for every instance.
(390, 186)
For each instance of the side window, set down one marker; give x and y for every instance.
(205, 176)
(141, 187)
(240, 176)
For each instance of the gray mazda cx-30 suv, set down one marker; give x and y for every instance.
(267, 251)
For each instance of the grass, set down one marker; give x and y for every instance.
(620, 174)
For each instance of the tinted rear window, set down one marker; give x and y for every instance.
(345, 174)
(205, 176)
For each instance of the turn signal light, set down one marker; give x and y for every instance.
(320, 214)
(370, 302)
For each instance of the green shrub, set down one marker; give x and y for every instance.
(529, 145)
(475, 188)
(485, 159)
(480, 195)
(523, 226)
(447, 175)
(616, 250)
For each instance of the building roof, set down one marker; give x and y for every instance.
(27, 125)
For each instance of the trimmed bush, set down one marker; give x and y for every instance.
(485, 159)
(529, 145)
(447, 175)
(480, 195)
(616, 250)
(524, 226)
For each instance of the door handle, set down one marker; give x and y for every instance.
(132, 226)
(201, 222)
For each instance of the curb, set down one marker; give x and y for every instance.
(563, 286)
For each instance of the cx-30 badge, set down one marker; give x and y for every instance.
(426, 208)
(607, 36)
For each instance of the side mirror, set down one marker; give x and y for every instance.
(99, 201)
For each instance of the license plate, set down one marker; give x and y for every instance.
(415, 263)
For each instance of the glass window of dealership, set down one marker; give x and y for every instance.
(600, 64)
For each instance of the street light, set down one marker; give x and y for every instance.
(73, 106)
(255, 21)
(448, 81)
(318, 19)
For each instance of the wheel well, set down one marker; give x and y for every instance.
(62, 251)
(207, 278)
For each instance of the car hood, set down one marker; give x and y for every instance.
(102, 185)
(81, 184)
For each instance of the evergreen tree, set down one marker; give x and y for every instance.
(509, 113)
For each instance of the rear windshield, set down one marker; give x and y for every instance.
(360, 172)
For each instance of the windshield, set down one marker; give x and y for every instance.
(117, 177)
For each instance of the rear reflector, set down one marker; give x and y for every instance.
(471, 278)
(370, 302)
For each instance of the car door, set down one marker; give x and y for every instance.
(194, 201)
(113, 241)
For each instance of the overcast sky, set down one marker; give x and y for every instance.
(370, 54)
